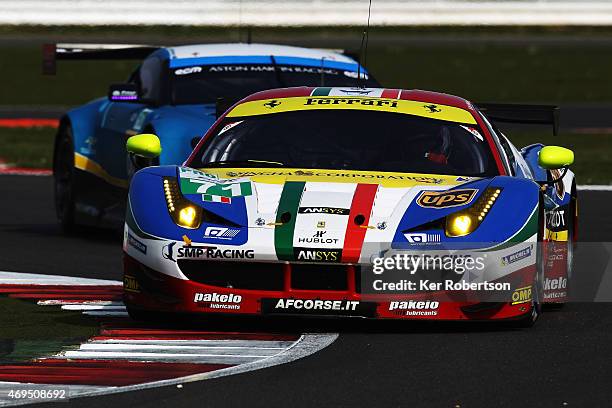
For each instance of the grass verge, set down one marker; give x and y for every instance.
(27, 147)
(546, 65)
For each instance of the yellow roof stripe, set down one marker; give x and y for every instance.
(301, 103)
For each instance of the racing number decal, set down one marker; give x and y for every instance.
(194, 186)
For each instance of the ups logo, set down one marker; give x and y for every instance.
(445, 199)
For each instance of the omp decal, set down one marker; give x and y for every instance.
(286, 216)
(521, 295)
(130, 284)
(385, 179)
(445, 199)
(301, 103)
(363, 200)
(86, 164)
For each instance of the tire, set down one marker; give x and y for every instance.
(63, 179)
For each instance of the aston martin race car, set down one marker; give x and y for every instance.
(361, 202)
(176, 93)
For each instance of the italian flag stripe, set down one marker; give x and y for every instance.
(216, 198)
(362, 203)
(283, 234)
(321, 91)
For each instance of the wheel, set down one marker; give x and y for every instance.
(63, 175)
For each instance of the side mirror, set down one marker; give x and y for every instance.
(123, 93)
(555, 157)
(144, 145)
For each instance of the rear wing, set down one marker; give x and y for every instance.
(526, 114)
(53, 52)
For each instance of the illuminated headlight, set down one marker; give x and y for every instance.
(183, 213)
(466, 221)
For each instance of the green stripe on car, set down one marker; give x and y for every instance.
(287, 215)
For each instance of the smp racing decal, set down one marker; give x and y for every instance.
(172, 253)
(319, 307)
(445, 199)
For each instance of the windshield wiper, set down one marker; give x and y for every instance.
(243, 163)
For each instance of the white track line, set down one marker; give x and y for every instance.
(113, 308)
(18, 278)
(200, 358)
(205, 343)
(595, 187)
(175, 348)
(73, 303)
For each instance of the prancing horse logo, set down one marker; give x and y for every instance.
(272, 104)
(432, 108)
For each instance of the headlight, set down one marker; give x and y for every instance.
(466, 221)
(183, 213)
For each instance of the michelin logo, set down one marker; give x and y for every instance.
(517, 256)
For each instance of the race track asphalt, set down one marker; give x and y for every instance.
(564, 361)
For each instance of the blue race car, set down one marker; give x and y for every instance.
(176, 93)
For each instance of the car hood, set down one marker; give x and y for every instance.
(312, 200)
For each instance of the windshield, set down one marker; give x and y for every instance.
(204, 84)
(349, 140)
